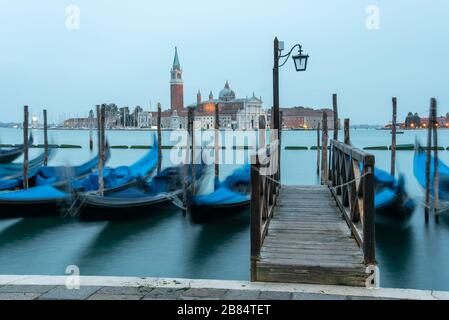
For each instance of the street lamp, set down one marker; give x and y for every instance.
(300, 61)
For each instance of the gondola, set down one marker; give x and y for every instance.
(393, 207)
(47, 193)
(9, 155)
(11, 175)
(51, 200)
(419, 171)
(230, 197)
(141, 199)
(57, 176)
(120, 177)
(60, 176)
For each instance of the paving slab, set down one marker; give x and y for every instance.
(139, 291)
(62, 293)
(273, 295)
(241, 295)
(204, 293)
(18, 296)
(97, 296)
(164, 294)
(317, 296)
(25, 289)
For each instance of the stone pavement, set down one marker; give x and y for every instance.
(125, 288)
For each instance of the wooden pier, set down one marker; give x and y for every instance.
(314, 234)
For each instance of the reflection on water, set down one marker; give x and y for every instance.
(167, 244)
(213, 243)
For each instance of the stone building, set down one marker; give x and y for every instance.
(235, 113)
(305, 118)
(412, 121)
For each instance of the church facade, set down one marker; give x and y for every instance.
(235, 113)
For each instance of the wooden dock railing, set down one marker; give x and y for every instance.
(264, 192)
(352, 185)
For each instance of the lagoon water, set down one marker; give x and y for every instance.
(167, 244)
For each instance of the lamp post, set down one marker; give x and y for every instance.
(300, 59)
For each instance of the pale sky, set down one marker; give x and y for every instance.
(123, 52)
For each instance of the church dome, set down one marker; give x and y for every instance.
(227, 93)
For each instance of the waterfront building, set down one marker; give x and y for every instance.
(305, 118)
(144, 119)
(235, 113)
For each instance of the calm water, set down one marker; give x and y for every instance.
(168, 245)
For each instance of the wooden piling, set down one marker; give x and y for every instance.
(101, 152)
(318, 149)
(192, 151)
(436, 196)
(91, 128)
(324, 164)
(262, 132)
(393, 137)
(347, 140)
(279, 134)
(98, 128)
(428, 153)
(25, 146)
(336, 122)
(217, 146)
(186, 164)
(45, 138)
(159, 138)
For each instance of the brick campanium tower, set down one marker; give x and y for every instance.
(176, 85)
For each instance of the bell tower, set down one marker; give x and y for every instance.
(176, 85)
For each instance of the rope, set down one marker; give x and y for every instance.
(74, 209)
(336, 187)
(440, 208)
(353, 180)
(177, 202)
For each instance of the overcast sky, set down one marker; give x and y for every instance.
(123, 51)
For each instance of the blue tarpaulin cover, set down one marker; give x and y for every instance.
(225, 194)
(115, 177)
(419, 170)
(36, 193)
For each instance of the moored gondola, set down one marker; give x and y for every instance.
(141, 199)
(419, 171)
(230, 197)
(392, 205)
(11, 154)
(56, 198)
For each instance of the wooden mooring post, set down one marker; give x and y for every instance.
(25, 146)
(432, 131)
(91, 128)
(324, 165)
(346, 132)
(318, 149)
(159, 138)
(45, 138)
(393, 137)
(98, 128)
(191, 120)
(101, 150)
(186, 164)
(336, 121)
(436, 178)
(217, 146)
(262, 133)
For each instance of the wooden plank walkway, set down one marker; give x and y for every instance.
(308, 241)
